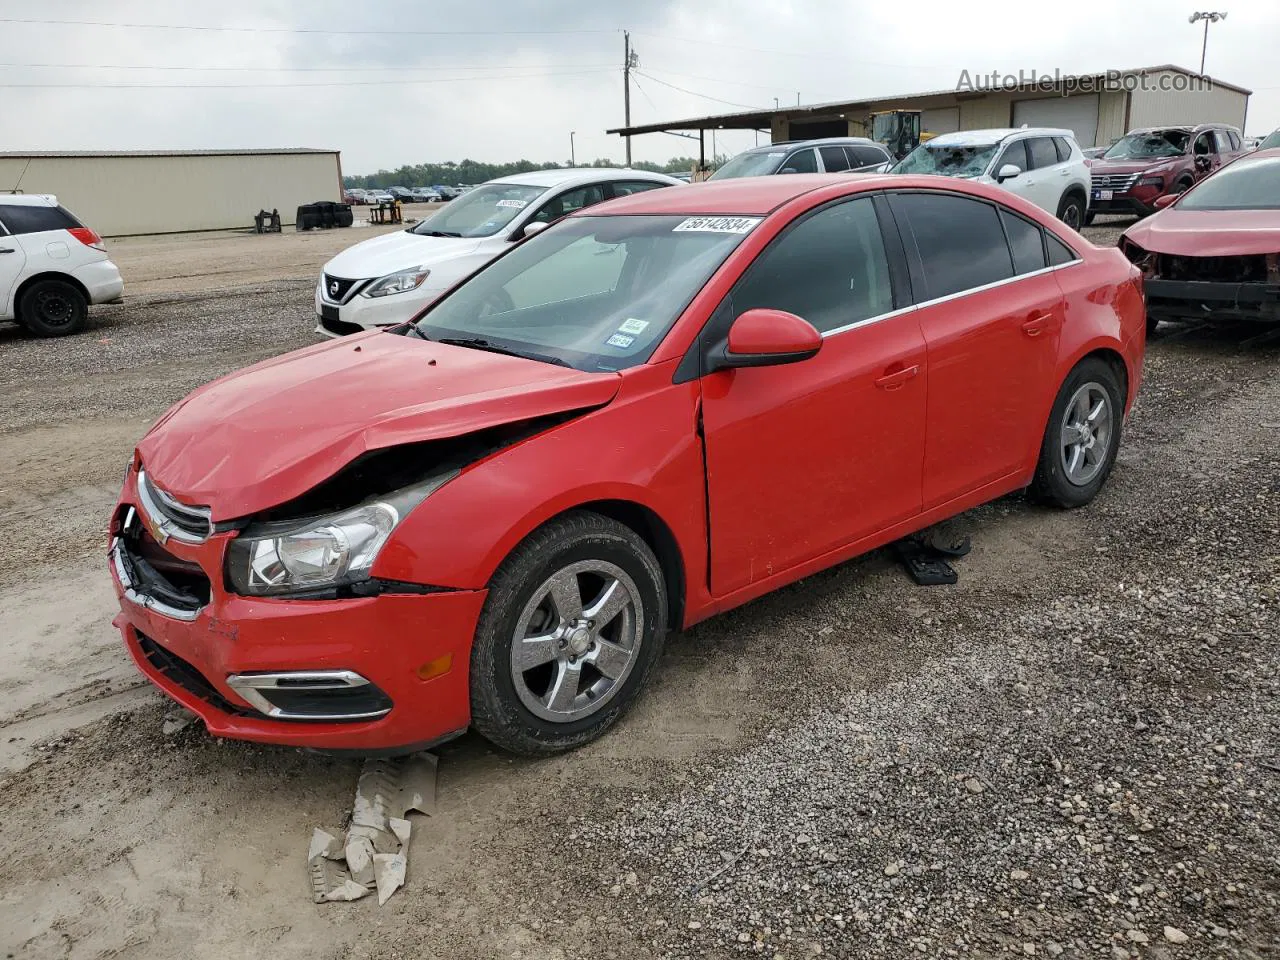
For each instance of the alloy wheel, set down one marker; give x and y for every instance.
(1085, 435)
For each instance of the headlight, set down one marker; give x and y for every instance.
(401, 282)
(319, 553)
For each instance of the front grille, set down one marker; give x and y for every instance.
(343, 328)
(156, 577)
(1246, 269)
(337, 289)
(185, 522)
(171, 666)
(1116, 182)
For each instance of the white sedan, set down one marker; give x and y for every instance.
(388, 279)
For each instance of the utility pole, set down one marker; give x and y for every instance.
(572, 156)
(629, 61)
(1208, 17)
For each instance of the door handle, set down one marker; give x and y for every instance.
(1037, 325)
(7, 250)
(893, 379)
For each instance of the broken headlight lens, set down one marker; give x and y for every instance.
(319, 553)
(401, 282)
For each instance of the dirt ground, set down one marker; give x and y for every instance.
(1072, 752)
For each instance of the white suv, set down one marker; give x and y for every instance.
(1044, 165)
(51, 266)
(388, 279)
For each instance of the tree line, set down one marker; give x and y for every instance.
(452, 174)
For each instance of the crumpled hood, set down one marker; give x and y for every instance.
(1208, 233)
(266, 434)
(392, 252)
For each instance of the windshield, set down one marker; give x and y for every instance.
(751, 165)
(1149, 146)
(595, 293)
(482, 212)
(950, 160)
(1244, 185)
(1270, 142)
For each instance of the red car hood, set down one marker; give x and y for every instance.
(1127, 166)
(268, 433)
(1208, 233)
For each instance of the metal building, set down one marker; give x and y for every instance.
(173, 191)
(1099, 108)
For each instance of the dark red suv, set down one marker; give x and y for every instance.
(1148, 163)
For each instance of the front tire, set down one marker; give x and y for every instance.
(568, 637)
(53, 308)
(1082, 437)
(1071, 210)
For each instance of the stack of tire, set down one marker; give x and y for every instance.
(323, 214)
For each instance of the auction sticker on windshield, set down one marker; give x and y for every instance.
(717, 224)
(632, 325)
(518, 204)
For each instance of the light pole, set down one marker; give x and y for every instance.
(572, 156)
(1208, 17)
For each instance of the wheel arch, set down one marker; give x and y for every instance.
(35, 278)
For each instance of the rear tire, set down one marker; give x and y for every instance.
(1082, 437)
(53, 308)
(568, 637)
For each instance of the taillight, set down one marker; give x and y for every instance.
(87, 237)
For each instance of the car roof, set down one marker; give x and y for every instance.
(29, 199)
(568, 176)
(821, 142)
(967, 138)
(742, 196)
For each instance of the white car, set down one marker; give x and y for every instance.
(388, 279)
(1044, 165)
(378, 196)
(51, 266)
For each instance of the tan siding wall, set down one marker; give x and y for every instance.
(1111, 107)
(119, 196)
(1153, 108)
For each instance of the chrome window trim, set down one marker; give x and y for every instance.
(141, 599)
(951, 296)
(247, 685)
(149, 494)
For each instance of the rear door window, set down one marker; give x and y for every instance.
(834, 159)
(1042, 152)
(627, 187)
(960, 241)
(1026, 242)
(1222, 143)
(22, 218)
(867, 156)
(1063, 148)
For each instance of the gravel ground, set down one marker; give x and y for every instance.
(1075, 751)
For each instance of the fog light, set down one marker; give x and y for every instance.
(315, 695)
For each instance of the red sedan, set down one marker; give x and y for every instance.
(642, 416)
(1213, 253)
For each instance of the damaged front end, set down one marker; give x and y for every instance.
(1206, 288)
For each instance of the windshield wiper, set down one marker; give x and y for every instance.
(477, 343)
(439, 233)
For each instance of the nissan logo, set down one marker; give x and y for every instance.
(333, 288)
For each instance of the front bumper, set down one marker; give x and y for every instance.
(392, 641)
(1183, 300)
(367, 313)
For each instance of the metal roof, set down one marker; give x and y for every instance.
(761, 119)
(40, 154)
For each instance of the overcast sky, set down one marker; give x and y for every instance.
(390, 82)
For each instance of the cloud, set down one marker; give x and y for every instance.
(518, 75)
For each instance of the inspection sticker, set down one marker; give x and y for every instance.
(718, 224)
(618, 340)
(631, 325)
(518, 204)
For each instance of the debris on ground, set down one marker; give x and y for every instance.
(925, 556)
(176, 720)
(374, 853)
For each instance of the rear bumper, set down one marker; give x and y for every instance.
(1201, 300)
(102, 279)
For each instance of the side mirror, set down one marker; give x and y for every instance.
(767, 338)
(1167, 200)
(532, 227)
(1008, 172)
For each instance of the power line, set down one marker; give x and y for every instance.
(308, 30)
(806, 54)
(397, 69)
(694, 93)
(400, 81)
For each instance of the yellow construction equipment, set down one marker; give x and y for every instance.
(898, 131)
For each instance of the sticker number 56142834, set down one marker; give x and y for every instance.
(717, 224)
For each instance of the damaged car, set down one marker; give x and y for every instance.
(653, 411)
(1213, 253)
